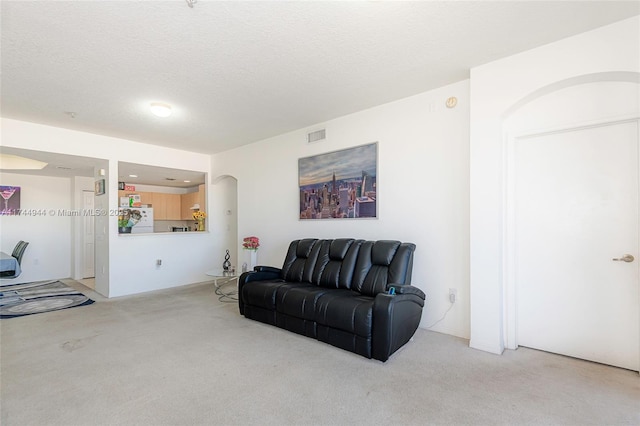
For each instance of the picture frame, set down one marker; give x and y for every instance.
(10, 201)
(99, 187)
(340, 184)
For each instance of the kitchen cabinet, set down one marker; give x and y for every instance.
(188, 200)
(201, 198)
(173, 206)
(170, 206)
(166, 206)
(159, 207)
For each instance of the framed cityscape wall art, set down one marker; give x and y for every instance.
(339, 184)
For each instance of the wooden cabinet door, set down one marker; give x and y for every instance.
(187, 201)
(147, 197)
(159, 206)
(173, 206)
(191, 198)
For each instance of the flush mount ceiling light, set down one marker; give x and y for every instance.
(14, 162)
(160, 110)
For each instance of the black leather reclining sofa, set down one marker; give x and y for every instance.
(353, 294)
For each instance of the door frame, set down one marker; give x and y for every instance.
(510, 317)
(82, 243)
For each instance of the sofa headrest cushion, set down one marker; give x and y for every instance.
(382, 252)
(304, 247)
(382, 262)
(339, 247)
(298, 264)
(335, 264)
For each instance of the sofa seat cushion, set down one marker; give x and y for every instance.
(345, 310)
(299, 301)
(263, 293)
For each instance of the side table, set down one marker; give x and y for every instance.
(221, 281)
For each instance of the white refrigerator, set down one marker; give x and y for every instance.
(142, 218)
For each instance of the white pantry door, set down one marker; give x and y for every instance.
(576, 209)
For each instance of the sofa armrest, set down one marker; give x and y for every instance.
(396, 318)
(406, 289)
(265, 273)
(259, 275)
(268, 269)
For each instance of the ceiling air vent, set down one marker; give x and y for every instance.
(316, 136)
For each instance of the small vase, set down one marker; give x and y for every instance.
(254, 259)
(200, 224)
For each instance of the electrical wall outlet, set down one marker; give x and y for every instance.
(158, 262)
(453, 295)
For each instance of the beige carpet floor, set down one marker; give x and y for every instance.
(181, 357)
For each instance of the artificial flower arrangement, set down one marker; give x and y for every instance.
(198, 215)
(251, 243)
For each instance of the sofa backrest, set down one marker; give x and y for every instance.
(363, 266)
(300, 260)
(336, 263)
(380, 263)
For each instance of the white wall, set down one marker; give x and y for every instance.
(496, 89)
(423, 190)
(48, 255)
(130, 265)
(223, 223)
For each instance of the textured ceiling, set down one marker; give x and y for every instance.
(238, 72)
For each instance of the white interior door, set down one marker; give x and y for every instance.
(88, 237)
(576, 209)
